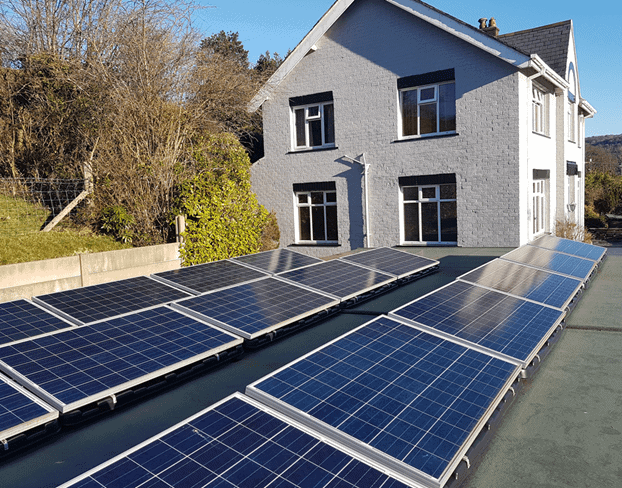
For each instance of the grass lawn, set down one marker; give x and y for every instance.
(21, 239)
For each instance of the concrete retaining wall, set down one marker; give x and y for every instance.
(25, 280)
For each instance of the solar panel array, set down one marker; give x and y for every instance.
(525, 282)
(21, 319)
(203, 278)
(406, 397)
(392, 261)
(552, 261)
(277, 260)
(338, 278)
(253, 309)
(235, 443)
(98, 302)
(580, 249)
(76, 367)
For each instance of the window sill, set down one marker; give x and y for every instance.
(429, 244)
(541, 134)
(318, 149)
(426, 137)
(315, 244)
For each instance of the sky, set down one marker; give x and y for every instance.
(279, 25)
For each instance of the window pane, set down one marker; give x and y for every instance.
(409, 113)
(427, 94)
(331, 223)
(331, 197)
(411, 222)
(317, 198)
(429, 192)
(300, 128)
(315, 133)
(313, 111)
(329, 125)
(427, 118)
(429, 221)
(305, 223)
(303, 198)
(447, 107)
(411, 193)
(318, 223)
(448, 192)
(449, 222)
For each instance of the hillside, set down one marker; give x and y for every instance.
(606, 150)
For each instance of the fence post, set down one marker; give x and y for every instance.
(180, 226)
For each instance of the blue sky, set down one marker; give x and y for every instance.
(278, 25)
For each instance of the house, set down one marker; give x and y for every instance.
(393, 123)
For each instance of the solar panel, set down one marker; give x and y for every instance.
(509, 327)
(98, 302)
(216, 275)
(568, 246)
(235, 443)
(338, 278)
(552, 261)
(277, 260)
(76, 367)
(526, 282)
(411, 400)
(392, 261)
(253, 309)
(20, 410)
(21, 320)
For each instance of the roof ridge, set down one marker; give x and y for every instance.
(541, 27)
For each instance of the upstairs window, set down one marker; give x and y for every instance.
(427, 104)
(313, 121)
(572, 130)
(540, 112)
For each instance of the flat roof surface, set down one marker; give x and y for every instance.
(564, 429)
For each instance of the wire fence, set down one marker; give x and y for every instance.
(27, 205)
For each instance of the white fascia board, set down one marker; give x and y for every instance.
(468, 34)
(587, 108)
(537, 63)
(307, 44)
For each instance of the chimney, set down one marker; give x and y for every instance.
(491, 29)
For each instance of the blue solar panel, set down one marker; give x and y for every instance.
(21, 411)
(535, 284)
(253, 309)
(338, 278)
(99, 302)
(76, 367)
(21, 319)
(389, 388)
(236, 443)
(216, 275)
(392, 261)
(277, 260)
(501, 323)
(552, 261)
(568, 246)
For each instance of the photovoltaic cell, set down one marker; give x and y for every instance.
(392, 261)
(535, 284)
(253, 309)
(338, 278)
(413, 400)
(98, 302)
(236, 443)
(568, 246)
(277, 260)
(216, 275)
(76, 367)
(21, 411)
(552, 261)
(21, 319)
(499, 322)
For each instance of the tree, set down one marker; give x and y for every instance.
(226, 45)
(599, 159)
(267, 64)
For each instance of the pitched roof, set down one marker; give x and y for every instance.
(550, 42)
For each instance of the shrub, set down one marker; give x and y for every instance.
(117, 222)
(569, 230)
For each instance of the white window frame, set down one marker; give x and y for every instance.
(540, 111)
(572, 127)
(308, 119)
(539, 210)
(326, 202)
(437, 198)
(427, 101)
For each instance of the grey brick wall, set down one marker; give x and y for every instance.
(359, 60)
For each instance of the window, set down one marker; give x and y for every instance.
(313, 123)
(427, 104)
(316, 213)
(540, 112)
(429, 211)
(539, 206)
(571, 122)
